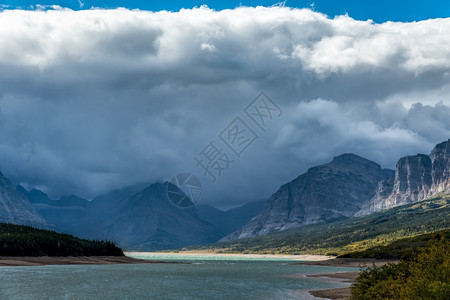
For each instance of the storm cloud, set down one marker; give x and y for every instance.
(99, 99)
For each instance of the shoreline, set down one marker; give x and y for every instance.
(348, 262)
(349, 278)
(303, 257)
(340, 293)
(22, 261)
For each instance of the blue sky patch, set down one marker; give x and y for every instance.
(377, 10)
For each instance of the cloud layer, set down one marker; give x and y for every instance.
(97, 99)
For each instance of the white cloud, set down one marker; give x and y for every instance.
(321, 44)
(94, 99)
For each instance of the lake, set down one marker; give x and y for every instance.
(203, 278)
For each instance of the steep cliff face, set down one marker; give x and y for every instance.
(15, 207)
(417, 177)
(378, 203)
(440, 173)
(412, 180)
(333, 190)
(412, 183)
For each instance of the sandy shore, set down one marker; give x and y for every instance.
(348, 262)
(333, 294)
(309, 258)
(342, 276)
(84, 260)
(337, 293)
(6, 261)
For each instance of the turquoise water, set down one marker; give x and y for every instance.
(207, 257)
(200, 279)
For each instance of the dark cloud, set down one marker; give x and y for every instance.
(98, 99)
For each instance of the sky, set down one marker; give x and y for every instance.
(376, 10)
(97, 99)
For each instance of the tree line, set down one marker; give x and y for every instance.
(20, 240)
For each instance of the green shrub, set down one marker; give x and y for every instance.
(423, 275)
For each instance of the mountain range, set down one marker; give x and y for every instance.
(138, 217)
(141, 217)
(347, 235)
(350, 185)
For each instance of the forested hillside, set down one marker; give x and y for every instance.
(402, 248)
(19, 240)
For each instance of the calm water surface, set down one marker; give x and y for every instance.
(202, 278)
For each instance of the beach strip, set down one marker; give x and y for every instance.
(8, 261)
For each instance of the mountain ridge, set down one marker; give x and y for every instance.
(299, 202)
(348, 181)
(230, 220)
(15, 207)
(417, 177)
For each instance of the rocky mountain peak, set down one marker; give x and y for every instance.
(332, 190)
(348, 158)
(442, 149)
(148, 220)
(15, 207)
